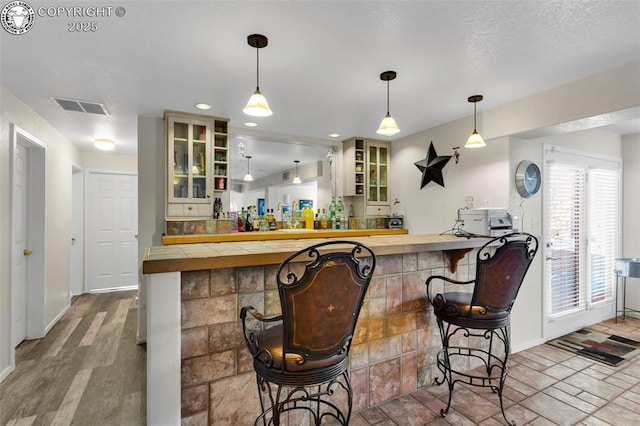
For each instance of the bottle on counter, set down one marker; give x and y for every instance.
(316, 220)
(272, 221)
(338, 220)
(340, 204)
(307, 217)
(323, 220)
(332, 213)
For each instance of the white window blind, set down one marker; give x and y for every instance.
(581, 230)
(564, 194)
(604, 226)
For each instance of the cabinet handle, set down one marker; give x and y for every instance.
(190, 208)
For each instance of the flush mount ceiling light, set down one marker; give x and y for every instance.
(475, 140)
(388, 126)
(257, 105)
(104, 144)
(296, 180)
(203, 106)
(248, 177)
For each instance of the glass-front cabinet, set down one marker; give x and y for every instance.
(195, 171)
(366, 175)
(377, 174)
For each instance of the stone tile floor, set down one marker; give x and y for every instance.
(545, 386)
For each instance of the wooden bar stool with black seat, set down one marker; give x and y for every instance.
(482, 311)
(302, 360)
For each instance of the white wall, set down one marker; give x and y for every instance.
(487, 173)
(631, 210)
(60, 155)
(99, 160)
(151, 187)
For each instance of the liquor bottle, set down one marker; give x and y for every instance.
(272, 222)
(340, 204)
(316, 221)
(323, 220)
(332, 213)
(339, 220)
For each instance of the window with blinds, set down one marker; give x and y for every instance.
(565, 195)
(582, 231)
(604, 225)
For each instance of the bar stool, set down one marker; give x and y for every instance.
(302, 361)
(481, 310)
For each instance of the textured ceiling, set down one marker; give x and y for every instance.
(321, 69)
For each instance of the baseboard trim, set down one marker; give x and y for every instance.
(527, 345)
(112, 289)
(5, 373)
(56, 319)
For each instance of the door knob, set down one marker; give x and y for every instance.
(27, 252)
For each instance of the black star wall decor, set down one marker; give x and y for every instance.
(431, 167)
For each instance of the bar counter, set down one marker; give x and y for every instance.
(198, 368)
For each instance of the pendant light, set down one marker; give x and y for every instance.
(475, 140)
(296, 180)
(257, 105)
(388, 126)
(248, 177)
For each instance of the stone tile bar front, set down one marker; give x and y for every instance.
(198, 368)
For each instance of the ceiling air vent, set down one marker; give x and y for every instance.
(82, 106)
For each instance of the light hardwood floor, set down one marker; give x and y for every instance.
(86, 371)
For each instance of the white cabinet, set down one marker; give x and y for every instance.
(195, 170)
(366, 175)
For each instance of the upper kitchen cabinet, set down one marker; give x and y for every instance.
(366, 174)
(197, 163)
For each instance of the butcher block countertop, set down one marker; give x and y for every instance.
(282, 234)
(228, 254)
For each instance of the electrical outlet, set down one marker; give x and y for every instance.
(468, 201)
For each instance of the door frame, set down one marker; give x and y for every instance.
(592, 313)
(36, 231)
(77, 219)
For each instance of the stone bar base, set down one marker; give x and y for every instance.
(393, 352)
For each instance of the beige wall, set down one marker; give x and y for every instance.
(60, 155)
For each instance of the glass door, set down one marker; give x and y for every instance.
(582, 239)
(188, 168)
(378, 176)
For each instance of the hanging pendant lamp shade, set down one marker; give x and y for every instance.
(296, 179)
(475, 140)
(248, 177)
(388, 126)
(257, 105)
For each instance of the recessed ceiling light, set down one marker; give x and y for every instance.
(104, 144)
(334, 135)
(251, 124)
(202, 105)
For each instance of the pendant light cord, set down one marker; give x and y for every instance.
(474, 116)
(257, 69)
(387, 97)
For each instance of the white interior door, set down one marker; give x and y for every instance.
(112, 224)
(76, 265)
(19, 257)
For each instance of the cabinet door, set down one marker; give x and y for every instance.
(188, 145)
(377, 174)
